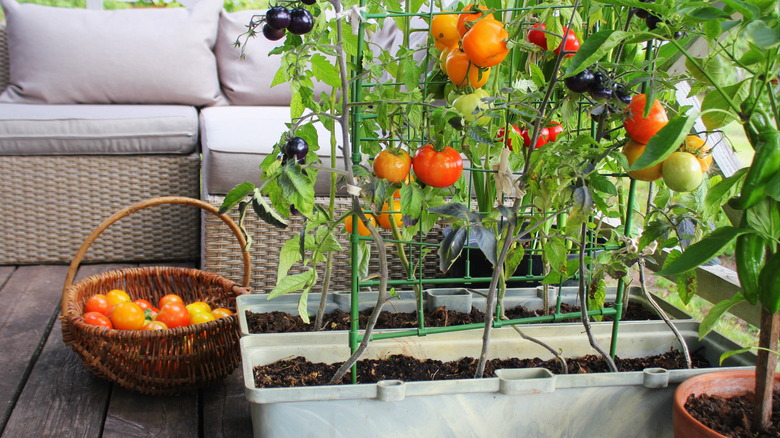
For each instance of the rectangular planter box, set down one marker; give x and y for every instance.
(531, 298)
(522, 402)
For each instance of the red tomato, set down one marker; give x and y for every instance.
(169, 298)
(553, 129)
(174, 315)
(145, 304)
(508, 142)
(154, 325)
(438, 169)
(97, 319)
(127, 316)
(537, 35)
(97, 303)
(570, 43)
(640, 128)
(541, 141)
(392, 166)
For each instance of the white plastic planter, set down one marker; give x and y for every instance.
(519, 402)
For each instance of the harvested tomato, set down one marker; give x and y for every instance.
(362, 228)
(633, 150)
(198, 307)
(538, 36)
(466, 20)
(698, 147)
(154, 325)
(202, 318)
(174, 314)
(145, 304)
(553, 130)
(386, 217)
(485, 43)
(169, 298)
(127, 316)
(444, 29)
(640, 128)
(438, 168)
(682, 172)
(544, 134)
(462, 72)
(117, 296)
(570, 44)
(392, 165)
(97, 319)
(221, 312)
(508, 142)
(97, 303)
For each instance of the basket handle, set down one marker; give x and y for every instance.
(151, 203)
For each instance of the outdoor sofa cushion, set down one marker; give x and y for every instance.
(27, 129)
(151, 55)
(236, 139)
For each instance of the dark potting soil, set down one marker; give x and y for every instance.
(282, 322)
(299, 372)
(732, 417)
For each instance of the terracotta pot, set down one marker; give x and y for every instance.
(724, 383)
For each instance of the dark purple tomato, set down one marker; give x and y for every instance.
(641, 13)
(277, 17)
(678, 35)
(272, 34)
(621, 94)
(294, 211)
(652, 21)
(581, 82)
(601, 93)
(308, 2)
(297, 148)
(301, 21)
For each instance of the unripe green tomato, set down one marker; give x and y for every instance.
(682, 172)
(472, 107)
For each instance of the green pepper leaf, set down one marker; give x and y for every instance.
(704, 250)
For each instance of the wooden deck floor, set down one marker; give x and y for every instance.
(46, 392)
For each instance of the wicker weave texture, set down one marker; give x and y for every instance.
(51, 203)
(221, 253)
(4, 61)
(156, 362)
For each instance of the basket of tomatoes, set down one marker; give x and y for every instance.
(155, 330)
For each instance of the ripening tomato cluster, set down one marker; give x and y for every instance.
(684, 169)
(115, 310)
(570, 44)
(470, 43)
(547, 134)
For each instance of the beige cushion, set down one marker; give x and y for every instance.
(235, 139)
(152, 55)
(27, 129)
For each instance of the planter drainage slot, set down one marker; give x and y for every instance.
(391, 390)
(516, 381)
(654, 378)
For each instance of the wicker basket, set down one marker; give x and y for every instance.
(160, 362)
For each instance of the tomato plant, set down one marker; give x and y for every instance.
(682, 172)
(472, 107)
(97, 303)
(465, 21)
(444, 29)
(97, 319)
(633, 150)
(462, 72)
(392, 165)
(174, 314)
(117, 296)
(485, 44)
(438, 168)
(386, 216)
(127, 316)
(362, 229)
(640, 128)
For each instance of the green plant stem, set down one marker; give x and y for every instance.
(765, 370)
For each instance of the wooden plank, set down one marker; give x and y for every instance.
(134, 415)
(35, 293)
(226, 409)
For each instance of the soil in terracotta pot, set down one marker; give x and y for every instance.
(732, 417)
(299, 372)
(282, 322)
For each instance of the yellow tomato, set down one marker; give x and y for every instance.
(221, 312)
(202, 318)
(198, 307)
(117, 296)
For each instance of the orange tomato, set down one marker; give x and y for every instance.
(409, 179)
(127, 316)
(97, 303)
(444, 29)
(117, 296)
(174, 314)
(485, 43)
(474, 12)
(640, 128)
(462, 72)
(154, 325)
(97, 319)
(169, 298)
(698, 147)
(443, 57)
(221, 312)
(386, 217)
(392, 165)
(633, 150)
(362, 229)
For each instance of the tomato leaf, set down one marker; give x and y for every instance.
(291, 283)
(717, 311)
(236, 195)
(486, 241)
(451, 247)
(457, 210)
(289, 255)
(593, 49)
(266, 212)
(665, 141)
(716, 111)
(703, 250)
